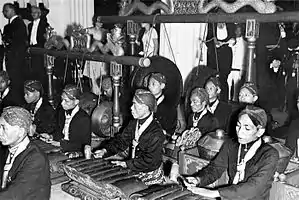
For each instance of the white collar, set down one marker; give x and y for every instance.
(11, 19)
(22, 145)
(38, 105)
(74, 111)
(160, 99)
(6, 91)
(214, 106)
(241, 163)
(36, 21)
(139, 131)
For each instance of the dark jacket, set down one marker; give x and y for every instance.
(206, 124)
(29, 176)
(259, 172)
(41, 30)
(148, 155)
(80, 131)
(166, 114)
(15, 36)
(222, 113)
(44, 118)
(11, 99)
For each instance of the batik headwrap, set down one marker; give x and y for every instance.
(251, 87)
(256, 114)
(72, 92)
(201, 94)
(34, 85)
(214, 80)
(158, 77)
(146, 97)
(17, 116)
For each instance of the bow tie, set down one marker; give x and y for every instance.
(32, 106)
(69, 112)
(196, 115)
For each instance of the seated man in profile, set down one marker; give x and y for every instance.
(73, 125)
(42, 113)
(8, 97)
(24, 168)
(144, 137)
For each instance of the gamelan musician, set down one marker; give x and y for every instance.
(250, 163)
(42, 113)
(144, 137)
(73, 129)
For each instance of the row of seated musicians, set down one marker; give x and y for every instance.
(144, 135)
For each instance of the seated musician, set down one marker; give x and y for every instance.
(248, 95)
(201, 117)
(249, 161)
(24, 169)
(220, 109)
(144, 137)
(73, 128)
(42, 113)
(8, 97)
(165, 114)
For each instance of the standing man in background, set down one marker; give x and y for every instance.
(15, 39)
(36, 30)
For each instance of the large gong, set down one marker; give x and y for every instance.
(174, 85)
(101, 119)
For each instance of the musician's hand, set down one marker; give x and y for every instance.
(204, 192)
(191, 181)
(120, 163)
(55, 143)
(100, 153)
(46, 137)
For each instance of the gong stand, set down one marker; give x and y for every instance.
(50, 55)
(252, 33)
(132, 32)
(116, 73)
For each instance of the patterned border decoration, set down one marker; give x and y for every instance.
(186, 7)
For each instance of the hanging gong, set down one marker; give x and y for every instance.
(174, 83)
(101, 119)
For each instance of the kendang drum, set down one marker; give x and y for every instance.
(96, 179)
(193, 159)
(159, 64)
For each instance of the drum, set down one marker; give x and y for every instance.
(166, 192)
(99, 179)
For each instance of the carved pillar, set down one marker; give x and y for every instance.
(252, 32)
(116, 73)
(49, 64)
(132, 32)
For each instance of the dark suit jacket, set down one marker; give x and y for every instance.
(148, 155)
(259, 172)
(222, 114)
(12, 99)
(29, 176)
(206, 124)
(44, 118)
(167, 116)
(80, 131)
(41, 30)
(15, 35)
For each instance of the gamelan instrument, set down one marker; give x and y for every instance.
(96, 179)
(166, 192)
